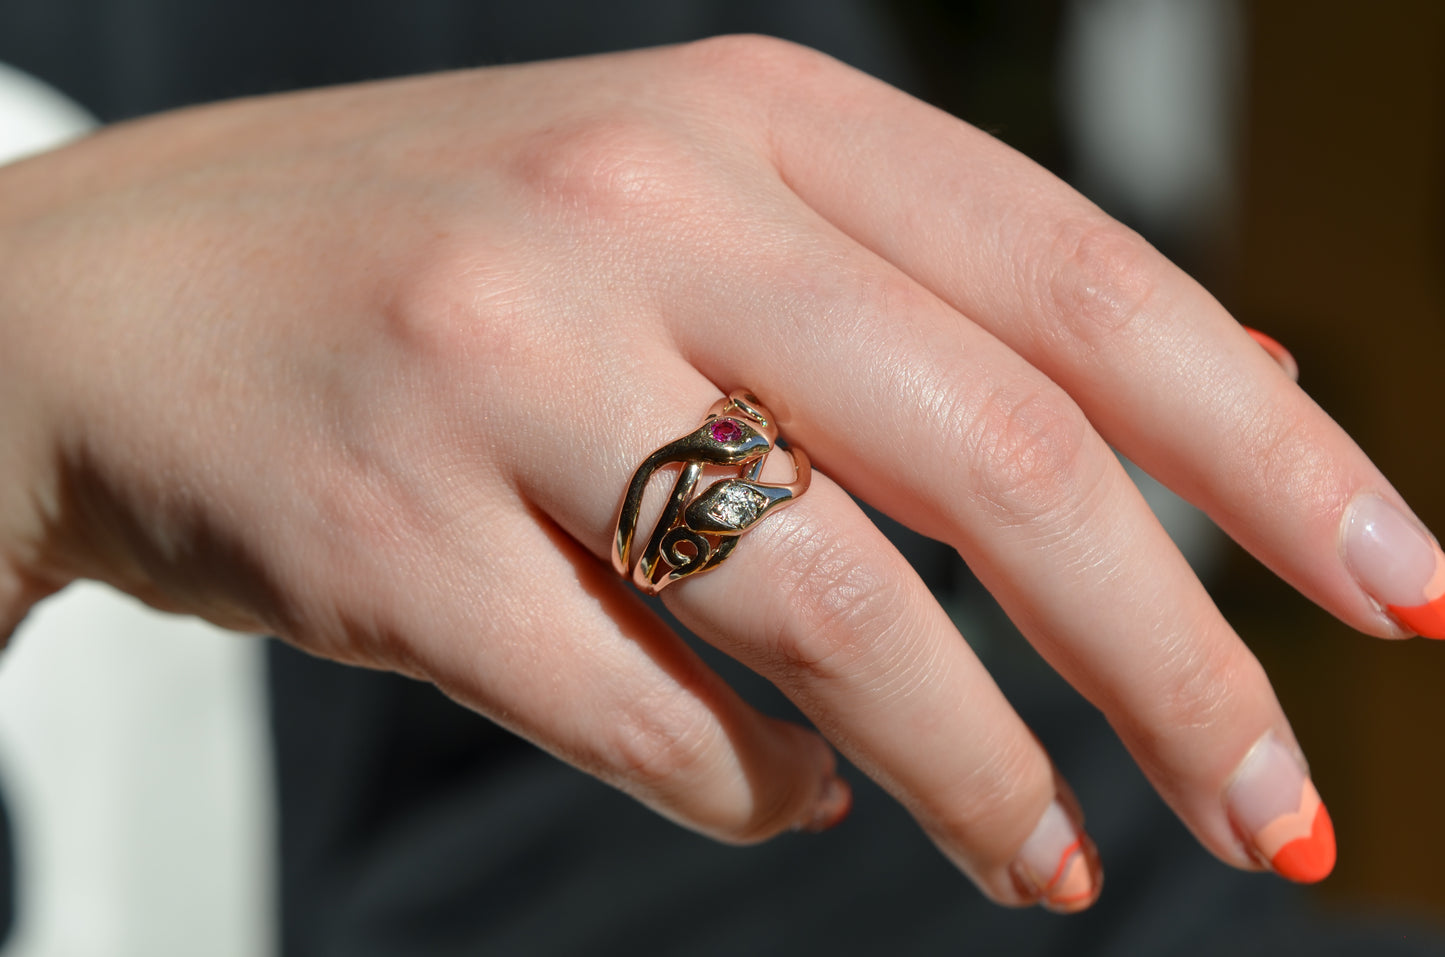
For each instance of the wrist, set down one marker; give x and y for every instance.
(33, 118)
(26, 483)
(28, 476)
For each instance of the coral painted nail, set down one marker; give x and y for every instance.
(1276, 809)
(1277, 352)
(832, 806)
(1397, 563)
(1058, 864)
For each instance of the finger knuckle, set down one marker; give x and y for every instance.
(842, 609)
(612, 166)
(1281, 458)
(1098, 279)
(1028, 449)
(993, 808)
(761, 80)
(1196, 684)
(467, 304)
(747, 57)
(650, 742)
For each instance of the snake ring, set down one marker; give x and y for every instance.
(698, 530)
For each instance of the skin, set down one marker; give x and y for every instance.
(368, 368)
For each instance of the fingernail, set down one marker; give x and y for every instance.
(1277, 811)
(1277, 352)
(1058, 864)
(832, 806)
(1397, 563)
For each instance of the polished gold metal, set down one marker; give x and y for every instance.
(697, 532)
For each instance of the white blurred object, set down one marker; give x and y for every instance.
(1150, 97)
(34, 117)
(134, 756)
(1151, 103)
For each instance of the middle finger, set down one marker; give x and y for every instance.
(819, 602)
(924, 414)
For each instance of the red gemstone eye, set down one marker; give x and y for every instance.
(725, 431)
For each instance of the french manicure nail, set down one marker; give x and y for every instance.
(1274, 806)
(831, 807)
(1397, 563)
(1058, 864)
(1277, 352)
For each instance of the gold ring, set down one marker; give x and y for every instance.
(698, 530)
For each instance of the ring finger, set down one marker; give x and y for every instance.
(823, 605)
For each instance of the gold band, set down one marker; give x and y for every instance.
(697, 532)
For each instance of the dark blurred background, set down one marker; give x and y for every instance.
(1331, 239)
(1339, 250)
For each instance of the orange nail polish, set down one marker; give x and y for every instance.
(1397, 563)
(832, 806)
(1302, 843)
(1276, 809)
(1427, 619)
(1277, 352)
(1058, 864)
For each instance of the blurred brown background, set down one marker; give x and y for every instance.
(1334, 243)
(1340, 253)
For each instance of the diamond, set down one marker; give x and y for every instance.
(725, 431)
(736, 505)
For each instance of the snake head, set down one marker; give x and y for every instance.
(726, 440)
(732, 506)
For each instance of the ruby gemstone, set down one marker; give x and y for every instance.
(725, 431)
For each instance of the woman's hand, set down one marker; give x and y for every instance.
(370, 368)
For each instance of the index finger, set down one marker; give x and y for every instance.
(1162, 371)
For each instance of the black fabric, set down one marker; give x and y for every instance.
(122, 58)
(409, 826)
(412, 827)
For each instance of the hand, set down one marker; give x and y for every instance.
(369, 368)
